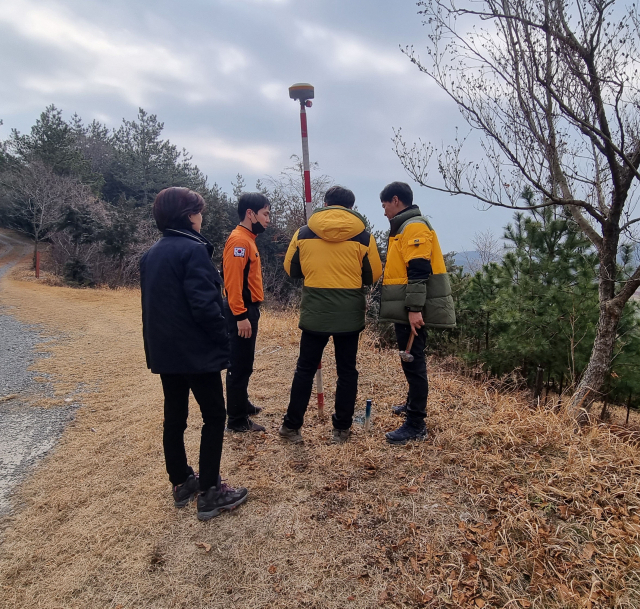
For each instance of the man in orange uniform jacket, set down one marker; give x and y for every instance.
(243, 287)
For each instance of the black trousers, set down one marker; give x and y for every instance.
(207, 390)
(311, 348)
(415, 372)
(243, 352)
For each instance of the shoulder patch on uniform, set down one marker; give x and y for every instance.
(239, 252)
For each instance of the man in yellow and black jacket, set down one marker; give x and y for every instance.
(415, 293)
(337, 257)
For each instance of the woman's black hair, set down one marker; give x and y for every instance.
(173, 206)
(255, 201)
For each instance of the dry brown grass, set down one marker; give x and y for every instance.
(503, 507)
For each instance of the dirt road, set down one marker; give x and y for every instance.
(27, 431)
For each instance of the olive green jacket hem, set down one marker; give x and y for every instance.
(332, 310)
(438, 310)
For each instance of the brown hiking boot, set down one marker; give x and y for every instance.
(291, 435)
(340, 436)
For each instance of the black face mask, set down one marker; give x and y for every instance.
(257, 228)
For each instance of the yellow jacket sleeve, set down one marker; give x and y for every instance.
(374, 259)
(292, 258)
(417, 247)
(417, 242)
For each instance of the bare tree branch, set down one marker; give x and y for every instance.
(552, 91)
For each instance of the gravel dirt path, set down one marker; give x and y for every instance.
(27, 430)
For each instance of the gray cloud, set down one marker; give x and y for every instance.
(217, 71)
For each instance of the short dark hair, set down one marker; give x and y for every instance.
(173, 206)
(397, 189)
(337, 195)
(255, 201)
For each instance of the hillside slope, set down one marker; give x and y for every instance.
(502, 507)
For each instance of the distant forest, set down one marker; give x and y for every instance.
(525, 306)
(87, 191)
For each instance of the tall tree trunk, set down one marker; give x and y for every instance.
(589, 387)
(35, 251)
(486, 334)
(611, 307)
(537, 388)
(559, 404)
(561, 381)
(546, 393)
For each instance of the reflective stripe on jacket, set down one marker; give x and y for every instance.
(336, 256)
(415, 276)
(242, 271)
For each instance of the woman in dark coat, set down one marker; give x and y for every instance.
(186, 343)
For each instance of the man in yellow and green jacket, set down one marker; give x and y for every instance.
(336, 256)
(416, 293)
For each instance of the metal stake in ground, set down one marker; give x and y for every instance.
(303, 92)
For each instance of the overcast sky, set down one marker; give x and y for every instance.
(216, 72)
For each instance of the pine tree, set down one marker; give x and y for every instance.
(53, 142)
(538, 307)
(144, 163)
(219, 219)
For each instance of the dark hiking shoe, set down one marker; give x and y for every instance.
(399, 410)
(340, 436)
(407, 432)
(253, 410)
(185, 492)
(218, 499)
(247, 425)
(291, 435)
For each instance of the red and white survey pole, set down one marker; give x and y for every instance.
(303, 92)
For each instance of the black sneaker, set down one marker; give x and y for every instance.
(247, 425)
(185, 492)
(218, 499)
(253, 410)
(407, 432)
(399, 410)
